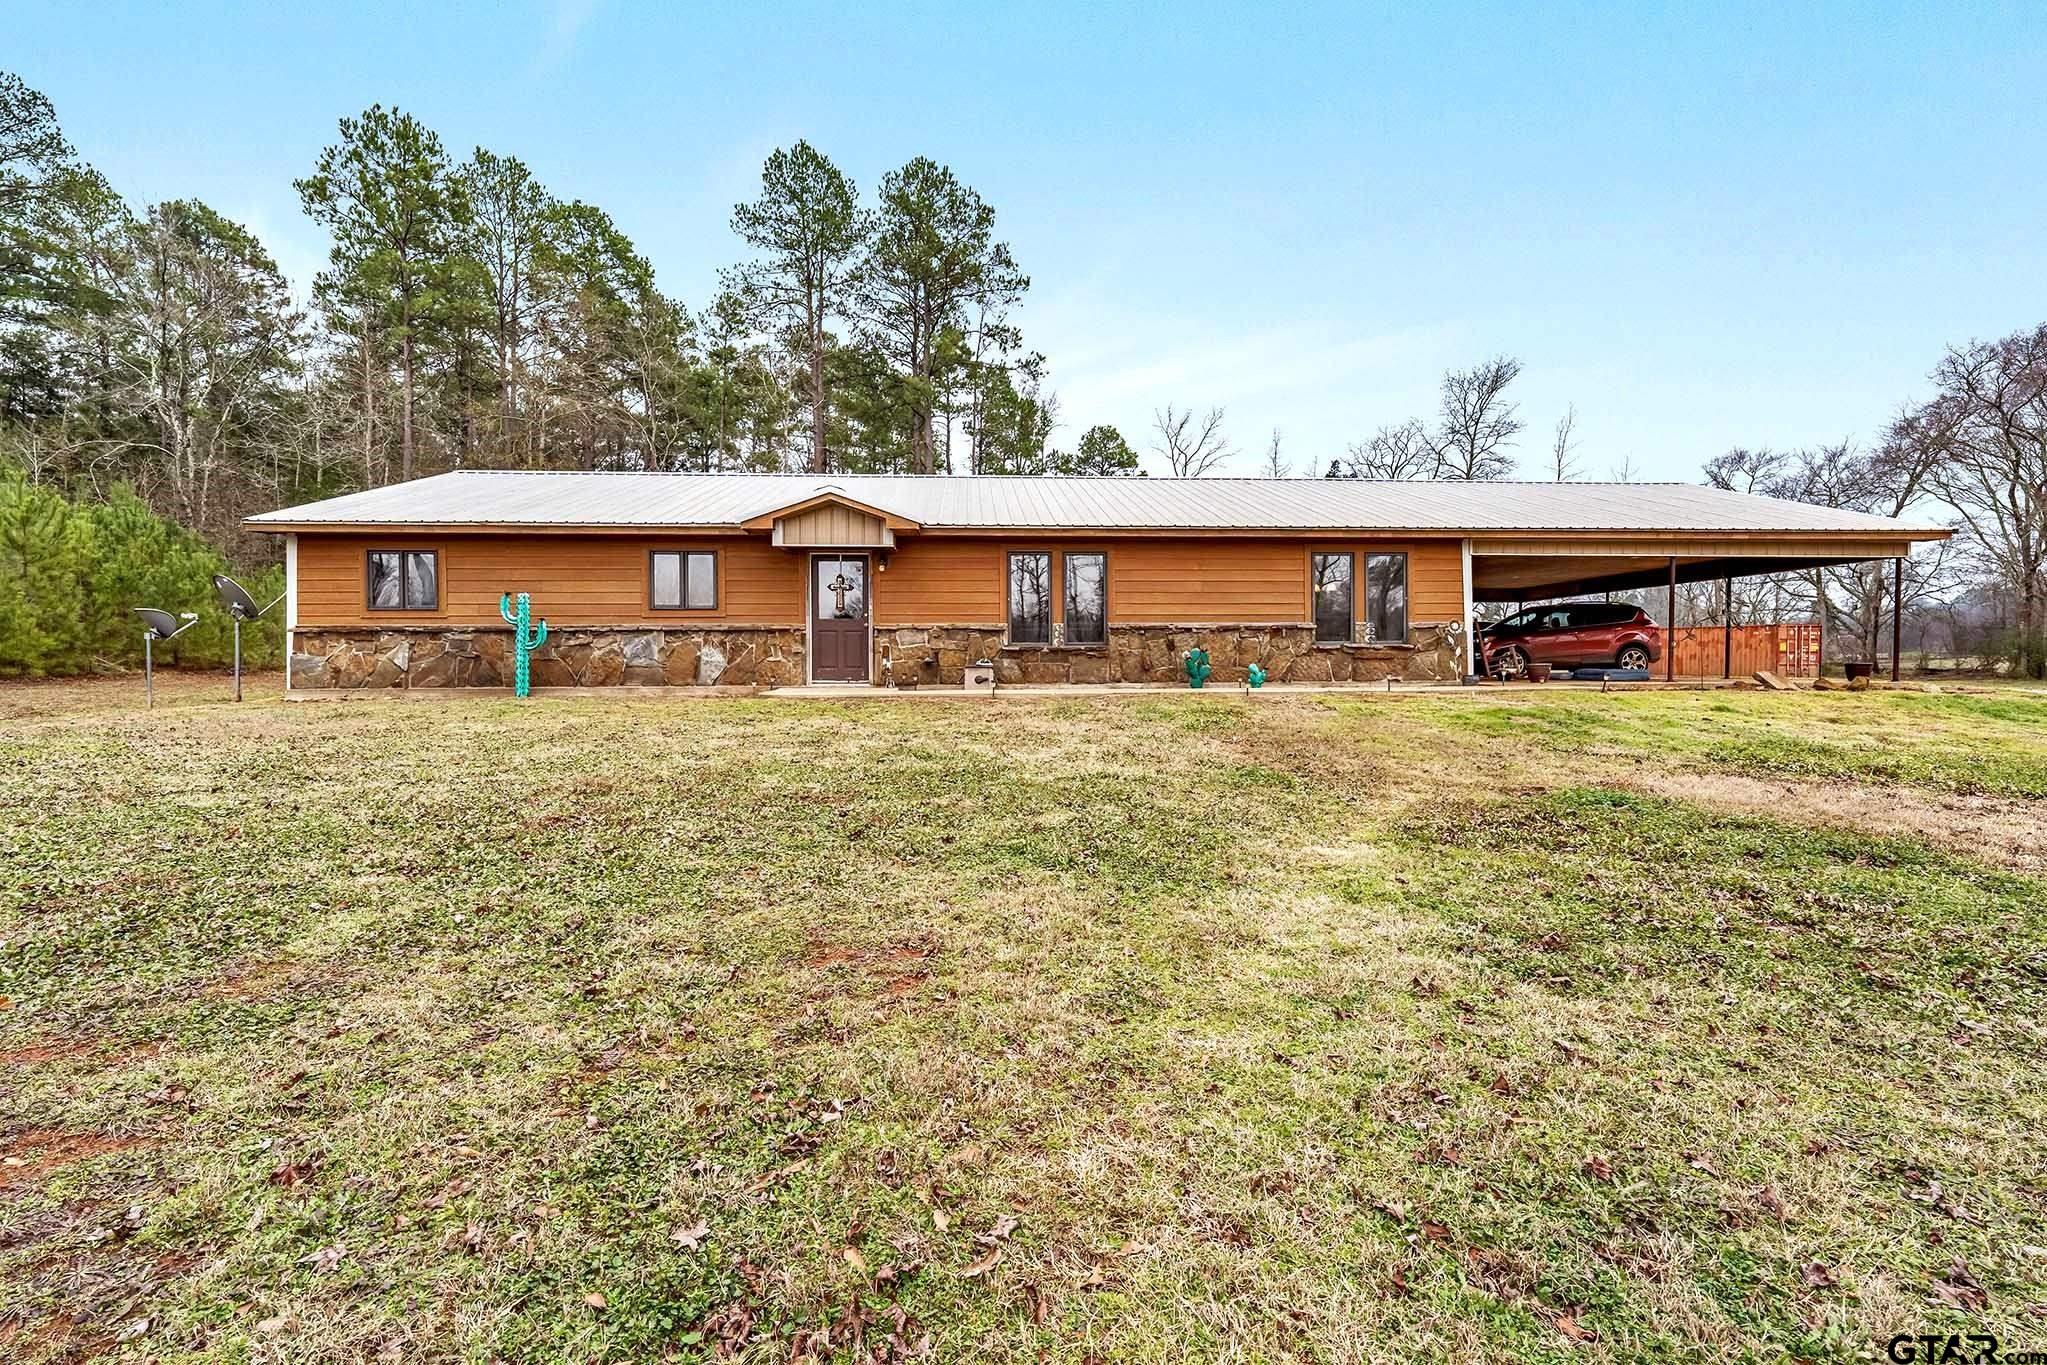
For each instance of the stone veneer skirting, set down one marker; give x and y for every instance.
(430, 656)
(938, 655)
(771, 656)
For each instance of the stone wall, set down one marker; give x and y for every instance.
(937, 655)
(767, 656)
(733, 656)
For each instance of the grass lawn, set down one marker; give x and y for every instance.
(1673, 1026)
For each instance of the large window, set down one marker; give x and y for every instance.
(1030, 598)
(1330, 582)
(1087, 599)
(1386, 599)
(404, 580)
(685, 581)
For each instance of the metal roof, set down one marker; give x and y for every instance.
(537, 499)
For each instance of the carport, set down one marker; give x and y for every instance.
(1532, 565)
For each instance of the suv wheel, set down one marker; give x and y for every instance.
(1634, 656)
(1510, 662)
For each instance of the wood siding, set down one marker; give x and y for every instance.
(579, 581)
(833, 526)
(575, 580)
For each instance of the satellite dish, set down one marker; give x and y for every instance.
(160, 624)
(241, 607)
(236, 598)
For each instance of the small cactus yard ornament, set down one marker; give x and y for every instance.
(1256, 677)
(526, 637)
(1196, 663)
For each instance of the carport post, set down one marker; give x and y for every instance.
(1897, 613)
(1727, 632)
(1670, 629)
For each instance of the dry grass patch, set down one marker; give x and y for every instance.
(1065, 1029)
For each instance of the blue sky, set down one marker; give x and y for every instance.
(1702, 226)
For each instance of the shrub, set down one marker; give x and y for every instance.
(70, 572)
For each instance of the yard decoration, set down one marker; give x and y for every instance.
(1256, 677)
(526, 637)
(1196, 663)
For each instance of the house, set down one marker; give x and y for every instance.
(773, 579)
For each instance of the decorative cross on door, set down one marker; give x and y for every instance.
(839, 587)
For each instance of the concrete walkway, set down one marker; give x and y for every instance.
(861, 692)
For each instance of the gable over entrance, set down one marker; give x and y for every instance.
(831, 520)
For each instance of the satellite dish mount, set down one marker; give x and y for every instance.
(241, 607)
(159, 625)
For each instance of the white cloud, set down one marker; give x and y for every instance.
(559, 43)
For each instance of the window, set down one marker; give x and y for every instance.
(1386, 599)
(1087, 599)
(1030, 598)
(404, 580)
(1330, 582)
(685, 581)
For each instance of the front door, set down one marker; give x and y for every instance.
(838, 618)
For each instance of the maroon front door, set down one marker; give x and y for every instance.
(838, 618)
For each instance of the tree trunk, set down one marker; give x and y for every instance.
(819, 462)
(369, 410)
(405, 419)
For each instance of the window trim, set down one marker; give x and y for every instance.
(1065, 636)
(1406, 582)
(369, 600)
(717, 579)
(1054, 587)
(1314, 612)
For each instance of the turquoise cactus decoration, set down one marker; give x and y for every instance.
(1256, 677)
(526, 637)
(1197, 667)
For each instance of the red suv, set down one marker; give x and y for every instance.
(1571, 634)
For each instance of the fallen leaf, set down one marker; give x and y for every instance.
(940, 1219)
(855, 1259)
(595, 1299)
(1435, 1232)
(983, 1266)
(1698, 1162)
(1772, 1202)
(1004, 1226)
(270, 1327)
(1036, 1305)
(691, 1238)
(1598, 1167)
(776, 1176)
(326, 1258)
(1957, 1288)
(1569, 1325)
(1820, 1276)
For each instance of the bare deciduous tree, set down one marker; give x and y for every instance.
(1276, 465)
(1563, 446)
(1191, 447)
(1396, 452)
(1982, 443)
(1478, 421)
